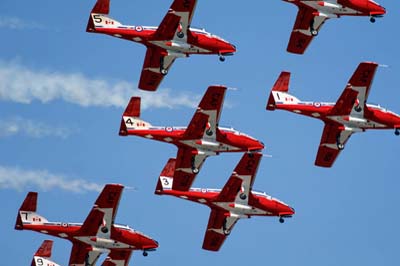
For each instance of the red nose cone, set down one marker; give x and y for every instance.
(285, 210)
(376, 9)
(149, 243)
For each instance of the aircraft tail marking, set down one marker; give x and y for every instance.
(166, 179)
(27, 212)
(99, 17)
(279, 93)
(131, 118)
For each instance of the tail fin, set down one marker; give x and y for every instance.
(27, 212)
(131, 118)
(166, 178)
(279, 92)
(98, 17)
(43, 255)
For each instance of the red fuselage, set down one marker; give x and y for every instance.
(259, 204)
(227, 140)
(343, 7)
(121, 236)
(198, 41)
(375, 117)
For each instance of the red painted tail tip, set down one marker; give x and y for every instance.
(101, 7)
(133, 107)
(45, 249)
(282, 83)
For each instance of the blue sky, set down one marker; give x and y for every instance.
(62, 93)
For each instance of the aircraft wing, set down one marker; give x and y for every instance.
(83, 255)
(102, 215)
(328, 149)
(205, 120)
(186, 160)
(93, 223)
(155, 59)
(239, 185)
(220, 224)
(118, 258)
(177, 21)
(344, 105)
(361, 82)
(301, 35)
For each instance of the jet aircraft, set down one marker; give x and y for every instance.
(235, 201)
(43, 255)
(313, 13)
(350, 114)
(98, 234)
(202, 138)
(173, 38)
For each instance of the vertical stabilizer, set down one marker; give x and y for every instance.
(279, 93)
(166, 178)
(131, 117)
(27, 212)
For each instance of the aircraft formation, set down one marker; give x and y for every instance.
(203, 137)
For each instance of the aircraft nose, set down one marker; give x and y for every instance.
(377, 9)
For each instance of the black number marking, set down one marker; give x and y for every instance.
(165, 182)
(97, 18)
(129, 121)
(39, 262)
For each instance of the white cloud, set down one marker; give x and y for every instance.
(15, 23)
(15, 178)
(21, 126)
(23, 85)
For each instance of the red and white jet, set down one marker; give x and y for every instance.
(202, 138)
(313, 13)
(235, 201)
(350, 114)
(98, 234)
(172, 39)
(43, 255)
